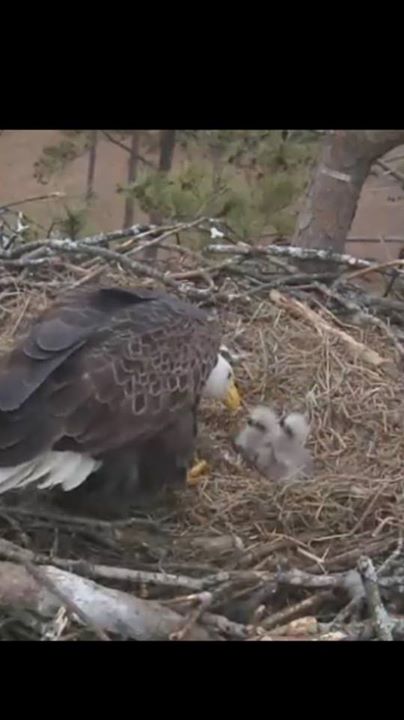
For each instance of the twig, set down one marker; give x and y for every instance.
(127, 149)
(382, 623)
(385, 305)
(345, 559)
(299, 578)
(24, 539)
(375, 268)
(10, 551)
(347, 612)
(204, 600)
(297, 279)
(300, 309)
(171, 231)
(72, 247)
(298, 610)
(54, 517)
(228, 627)
(361, 315)
(292, 251)
(392, 558)
(353, 585)
(33, 198)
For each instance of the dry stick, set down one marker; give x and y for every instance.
(350, 556)
(374, 268)
(292, 252)
(33, 198)
(382, 623)
(361, 315)
(55, 517)
(13, 552)
(15, 526)
(172, 231)
(392, 558)
(71, 247)
(297, 279)
(72, 608)
(354, 605)
(385, 305)
(299, 578)
(204, 600)
(115, 611)
(353, 585)
(300, 609)
(225, 626)
(298, 308)
(138, 231)
(125, 147)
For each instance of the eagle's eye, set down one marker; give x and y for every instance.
(256, 424)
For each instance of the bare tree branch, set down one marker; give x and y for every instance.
(128, 149)
(383, 624)
(33, 198)
(114, 611)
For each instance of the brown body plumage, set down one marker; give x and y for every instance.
(104, 373)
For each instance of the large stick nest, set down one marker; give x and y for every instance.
(233, 519)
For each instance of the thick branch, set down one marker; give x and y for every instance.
(381, 620)
(112, 610)
(330, 206)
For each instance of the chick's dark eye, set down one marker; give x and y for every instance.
(229, 375)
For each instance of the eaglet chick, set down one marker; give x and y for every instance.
(275, 446)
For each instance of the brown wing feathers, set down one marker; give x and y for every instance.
(102, 368)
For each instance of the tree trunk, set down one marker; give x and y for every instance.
(92, 157)
(132, 174)
(330, 205)
(167, 146)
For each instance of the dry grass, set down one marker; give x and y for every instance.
(355, 496)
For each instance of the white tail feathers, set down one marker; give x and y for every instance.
(68, 469)
(274, 446)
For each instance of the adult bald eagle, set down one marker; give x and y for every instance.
(107, 378)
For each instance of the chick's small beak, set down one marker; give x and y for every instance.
(232, 399)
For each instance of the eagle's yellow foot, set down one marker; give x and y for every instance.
(194, 474)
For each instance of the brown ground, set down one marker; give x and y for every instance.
(380, 213)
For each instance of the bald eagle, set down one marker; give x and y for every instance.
(108, 380)
(275, 445)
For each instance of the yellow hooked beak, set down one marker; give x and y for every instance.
(232, 399)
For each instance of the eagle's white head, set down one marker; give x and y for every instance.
(220, 384)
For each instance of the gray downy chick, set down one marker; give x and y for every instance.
(275, 446)
(290, 454)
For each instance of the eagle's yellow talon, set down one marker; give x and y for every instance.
(196, 471)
